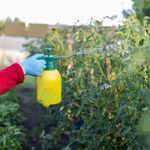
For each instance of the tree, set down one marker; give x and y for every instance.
(146, 8)
(2, 24)
(142, 9)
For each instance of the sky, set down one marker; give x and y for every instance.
(63, 11)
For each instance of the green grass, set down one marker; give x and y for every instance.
(30, 81)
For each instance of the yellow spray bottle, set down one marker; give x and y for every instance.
(49, 85)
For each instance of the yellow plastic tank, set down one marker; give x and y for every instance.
(49, 85)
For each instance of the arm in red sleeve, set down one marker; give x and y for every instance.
(10, 77)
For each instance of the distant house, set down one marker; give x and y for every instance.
(20, 30)
(15, 29)
(16, 34)
(37, 30)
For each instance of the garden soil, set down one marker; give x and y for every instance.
(32, 111)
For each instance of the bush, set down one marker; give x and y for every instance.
(11, 129)
(101, 108)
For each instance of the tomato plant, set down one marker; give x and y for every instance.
(98, 112)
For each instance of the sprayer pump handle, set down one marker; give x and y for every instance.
(48, 50)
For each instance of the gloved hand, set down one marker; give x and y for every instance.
(33, 66)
